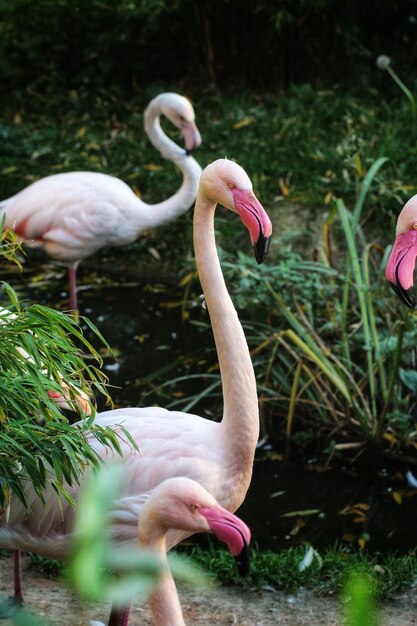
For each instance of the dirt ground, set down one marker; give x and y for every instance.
(219, 607)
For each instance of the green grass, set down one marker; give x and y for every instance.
(327, 574)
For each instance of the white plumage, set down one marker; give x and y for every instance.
(72, 215)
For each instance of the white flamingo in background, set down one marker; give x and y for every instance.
(218, 455)
(74, 214)
(402, 260)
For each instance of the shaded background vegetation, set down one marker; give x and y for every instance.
(263, 44)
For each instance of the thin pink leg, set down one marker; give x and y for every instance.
(18, 592)
(119, 615)
(72, 279)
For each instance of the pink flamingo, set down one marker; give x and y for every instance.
(184, 505)
(218, 455)
(402, 260)
(74, 214)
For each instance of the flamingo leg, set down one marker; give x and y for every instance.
(119, 615)
(72, 279)
(18, 592)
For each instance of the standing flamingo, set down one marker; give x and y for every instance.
(218, 455)
(74, 214)
(402, 260)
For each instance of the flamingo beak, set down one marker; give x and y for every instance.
(192, 137)
(401, 265)
(231, 530)
(256, 220)
(261, 248)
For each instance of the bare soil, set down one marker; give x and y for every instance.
(222, 606)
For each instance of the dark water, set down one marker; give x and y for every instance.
(287, 504)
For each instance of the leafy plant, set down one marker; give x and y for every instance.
(356, 373)
(42, 350)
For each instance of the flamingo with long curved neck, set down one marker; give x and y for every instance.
(218, 455)
(183, 504)
(72, 215)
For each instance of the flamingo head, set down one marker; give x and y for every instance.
(227, 183)
(72, 401)
(183, 504)
(180, 112)
(402, 260)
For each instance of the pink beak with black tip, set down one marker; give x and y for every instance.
(402, 260)
(400, 267)
(232, 531)
(256, 220)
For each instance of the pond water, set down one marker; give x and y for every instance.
(287, 504)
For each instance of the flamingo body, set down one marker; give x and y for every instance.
(218, 455)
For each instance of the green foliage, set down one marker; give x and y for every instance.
(44, 351)
(352, 369)
(35, 438)
(329, 573)
(93, 557)
(359, 609)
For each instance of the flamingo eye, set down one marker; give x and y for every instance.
(415, 226)
(193, 507)
(230, 185)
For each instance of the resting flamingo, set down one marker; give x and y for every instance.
(184, 505)
(402, 260)
(218, 455)
(72, 215)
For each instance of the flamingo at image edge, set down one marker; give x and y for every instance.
(218, 455)
(71, 401)
(184, 505)
(402, 260)
(73, 214)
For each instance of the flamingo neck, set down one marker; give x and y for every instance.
(184, 197)
(240, 421)
(164, 601)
